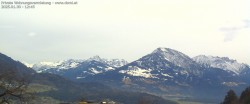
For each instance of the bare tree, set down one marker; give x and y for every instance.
(13, 88)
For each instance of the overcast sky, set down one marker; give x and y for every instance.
(127, 29)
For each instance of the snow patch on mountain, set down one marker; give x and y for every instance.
(93, 70)
(136, 71)
(166, 75)
(80, 77)
(109, 68)
(230, 84)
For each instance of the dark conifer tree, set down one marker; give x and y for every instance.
(245, 96)
(230, 98)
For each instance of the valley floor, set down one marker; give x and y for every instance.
(191, 102)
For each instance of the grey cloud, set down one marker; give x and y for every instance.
(230, 33)
(247, 23)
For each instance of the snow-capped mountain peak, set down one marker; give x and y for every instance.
(64, 64)
(112, 62)
(161, 49)
(96, 58)
(221, 62)
(70, 63)
(50, 63)
(175, 57)
(74, 63)
(46, 64)
(163, 63)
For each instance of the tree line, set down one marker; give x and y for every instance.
(232, 98)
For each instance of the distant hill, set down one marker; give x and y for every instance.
(7, 64)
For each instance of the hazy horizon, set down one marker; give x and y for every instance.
(126, 29)
(31, 63)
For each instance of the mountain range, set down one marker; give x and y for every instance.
(47, 88)
(77, 69)
(165, 72)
